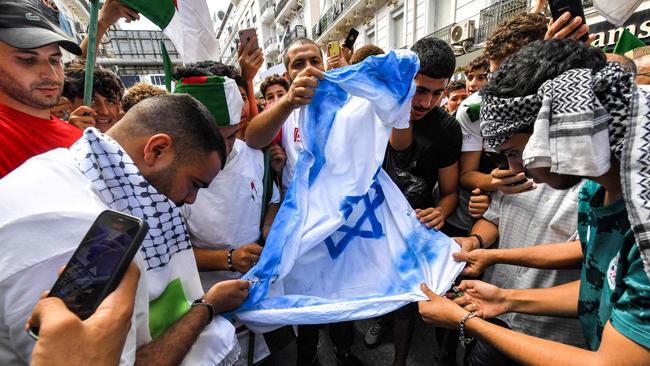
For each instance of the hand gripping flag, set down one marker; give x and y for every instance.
(186, 22)
(346, 244)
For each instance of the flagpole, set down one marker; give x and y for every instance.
(91, 52)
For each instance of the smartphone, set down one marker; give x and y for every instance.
(351, 38)
(501, 162)
(559, 7)
(334, 49)
(99, 263)
(247, 35)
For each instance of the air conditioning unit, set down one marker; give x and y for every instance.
(463, 32)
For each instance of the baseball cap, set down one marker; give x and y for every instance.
(23, 26)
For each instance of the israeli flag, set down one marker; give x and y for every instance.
(345, 243)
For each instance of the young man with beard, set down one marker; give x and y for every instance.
(151, 162)
(226, 223)
(303, 60)
(558, 141)
(31, 81)
(424, 154)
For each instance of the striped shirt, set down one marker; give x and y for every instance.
(540, 216)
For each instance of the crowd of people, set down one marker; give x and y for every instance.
(530, 162)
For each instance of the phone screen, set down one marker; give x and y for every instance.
(87, 277)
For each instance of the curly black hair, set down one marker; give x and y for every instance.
(524, 72)
(437, 60)
(105, 82)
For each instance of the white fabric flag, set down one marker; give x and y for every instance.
(346, 244)
(617, 12)
(192, 32)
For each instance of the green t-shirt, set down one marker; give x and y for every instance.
(613, 284)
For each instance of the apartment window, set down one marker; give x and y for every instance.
(370, 35)
(397, 29)
(158, 79)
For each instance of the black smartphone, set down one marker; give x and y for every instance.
(559, 7)
(351, 38)
(501, 162)
(99, 263)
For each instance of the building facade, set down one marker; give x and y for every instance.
(134, 55)
(391, 24)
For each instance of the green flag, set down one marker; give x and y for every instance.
(160, 12)
(167, 66)
(627, 42)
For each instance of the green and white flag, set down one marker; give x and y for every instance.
(186, 22)
(219, 94)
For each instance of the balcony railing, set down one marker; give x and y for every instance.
(269, 42)
(266, 5)
(587, 3)
(280, 6)
(330, 16)
(491, 16)
(297, 32)
(443, 33)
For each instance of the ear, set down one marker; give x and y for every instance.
(158, 151)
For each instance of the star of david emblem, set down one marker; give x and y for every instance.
(363, 209)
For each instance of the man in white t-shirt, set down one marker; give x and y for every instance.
(303, 60)
(152, 161)
(225, 221)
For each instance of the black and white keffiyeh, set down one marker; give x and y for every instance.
(113, 174)
(579, 120)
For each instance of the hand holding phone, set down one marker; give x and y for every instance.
(247, 36)
(564, 25)
(334, 49)
(99, 338)
(351, 39)
(99, 263)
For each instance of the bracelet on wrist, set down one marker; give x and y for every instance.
(481, 243)
(229, 260)
(461, 328)
(211, 311)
